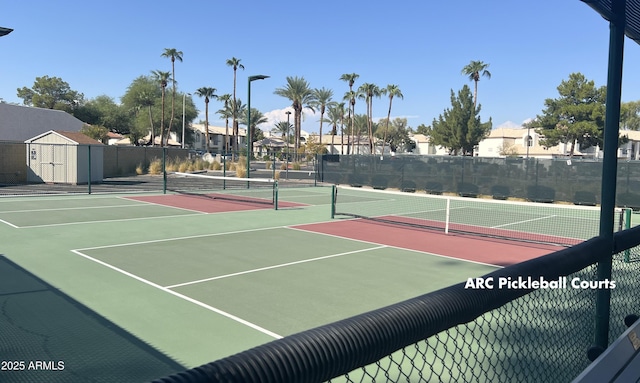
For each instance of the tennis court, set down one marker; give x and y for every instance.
(184, 283)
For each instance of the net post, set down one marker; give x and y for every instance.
(164, 170)
(447, 216)
(275, 194)
(334, 191)
(89, 173)
(626, 224)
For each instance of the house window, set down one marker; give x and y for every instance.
(529, 141)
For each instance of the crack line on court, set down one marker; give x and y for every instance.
(181, 296)
(274, 267)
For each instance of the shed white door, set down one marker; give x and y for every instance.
(53, 163)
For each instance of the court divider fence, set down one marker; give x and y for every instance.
(460, 333)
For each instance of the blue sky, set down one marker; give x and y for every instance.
(421, 46)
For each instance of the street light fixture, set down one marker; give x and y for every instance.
(248, 134)
(184, 99)
(5, 31)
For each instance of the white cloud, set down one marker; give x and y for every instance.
(310, 119)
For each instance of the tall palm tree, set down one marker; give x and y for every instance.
(335, 115)
(474, 71)
(298, 91)
(235, 64)
(367, 92)
(174, 54)
(350, 78)
(208, 93)
(225, 113)
(163, 79)
(392, 91)
(321, 98)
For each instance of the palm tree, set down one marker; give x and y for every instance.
(225, 113)
(235, 64)
(174, 54)
(284, 128)
(335, 114)
(350, 78)
(298, 91)
(207, 93)
(391, 91)
(163, 79)
(257, 118)
(321, 98)
(367, 92)
(474, 71)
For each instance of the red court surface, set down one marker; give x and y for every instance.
(476, 249)
(207, 203)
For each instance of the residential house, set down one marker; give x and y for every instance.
(217, 135)
(20, 123)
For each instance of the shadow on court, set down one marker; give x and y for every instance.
(46, 336)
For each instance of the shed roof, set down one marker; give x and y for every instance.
(74, 137)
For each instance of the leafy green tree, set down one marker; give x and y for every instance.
(459, 128)
(284, 128)
(474, 70)
(235, 64)
(321, 98)
(367, 92)
(576, 117)
(299, 93)
(423, 129)
(174, 55)
(97, 132)
(396, 133)
(207, 93)
(392, 91)
(51, 93)
(630, 115)
(162, 78)
(350, 97)
(103, 111)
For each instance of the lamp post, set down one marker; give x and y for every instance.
(528, 140)
(248, 134)
(288, 113)
(5, 31)
(184, 99)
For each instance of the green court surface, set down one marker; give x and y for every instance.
(178, 288)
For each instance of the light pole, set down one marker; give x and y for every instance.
(288, 113)
(248, 134)
(184, 99)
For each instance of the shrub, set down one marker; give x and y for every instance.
(295, 166)
(268, 165)
(155, 167)
(183, 166)
(215, 165)
(241, 172)
(277, 175)
(283, 166)
(139, 169)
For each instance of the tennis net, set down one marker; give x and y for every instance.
(563, 225)
(244, 190)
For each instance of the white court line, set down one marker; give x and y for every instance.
(110, 220)
(274, 267)
(180, 238)
(399, 248)
(73, 208)
(181, 296)
(10, 224)
(525, 221)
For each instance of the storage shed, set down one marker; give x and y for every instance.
(64, 157)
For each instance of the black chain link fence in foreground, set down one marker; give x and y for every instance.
(457, 334)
